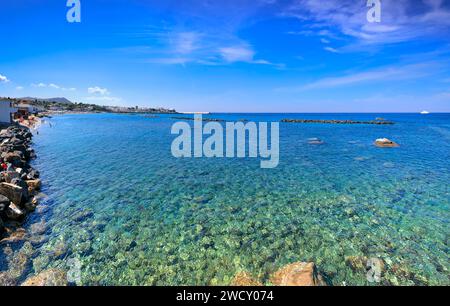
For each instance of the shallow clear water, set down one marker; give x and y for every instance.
(132, 214)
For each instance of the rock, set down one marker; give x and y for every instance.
(21, 183)
(2, 227)
(10, 175)
(4, 203)
(315, 141)
(14, 213)
(38, 228)
(52, 277)
(13, 192)
(16, 236)
(33, 174)
(244, 279)
(34, 185)
(385, 143)
(7, 280)
(356, 263)
(298, 274)
(14, 158)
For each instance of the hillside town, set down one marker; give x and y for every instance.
(19, 109)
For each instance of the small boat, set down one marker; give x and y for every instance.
(424, 113)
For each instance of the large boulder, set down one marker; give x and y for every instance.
(16, 194)
(386, 143)
(298, 274)
(48, 278)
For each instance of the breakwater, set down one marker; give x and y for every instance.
(376, 122)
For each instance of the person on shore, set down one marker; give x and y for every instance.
(4, 166)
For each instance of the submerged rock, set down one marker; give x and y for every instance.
(385, 143)
(52, 277)
(298, 274)
(244, 279)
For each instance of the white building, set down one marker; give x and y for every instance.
(29, 109)
(6, 111)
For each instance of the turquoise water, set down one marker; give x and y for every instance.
(118, 201)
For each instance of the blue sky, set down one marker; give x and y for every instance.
(231, 56)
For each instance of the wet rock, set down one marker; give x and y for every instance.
(14, 213)
(2, 227)
(4, 203)
(385, 143)
(298, 274)
(33, 185)
(13, 192)
(315, 141)
(52, 277)
(244, 279)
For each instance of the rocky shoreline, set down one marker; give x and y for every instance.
(19, 182)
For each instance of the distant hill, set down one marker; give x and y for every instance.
(57, 100)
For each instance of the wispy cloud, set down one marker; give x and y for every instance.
(331, 49)
(402, 20)
(389, 73)
(19, 88)
(52, 86)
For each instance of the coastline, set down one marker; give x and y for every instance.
(19, 190)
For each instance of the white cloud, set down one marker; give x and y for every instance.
(330, 49)
(98, 90)
(3, 79)
(19, 88)
(53, 86)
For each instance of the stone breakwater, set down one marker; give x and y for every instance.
(19, 182)
(336, 121)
